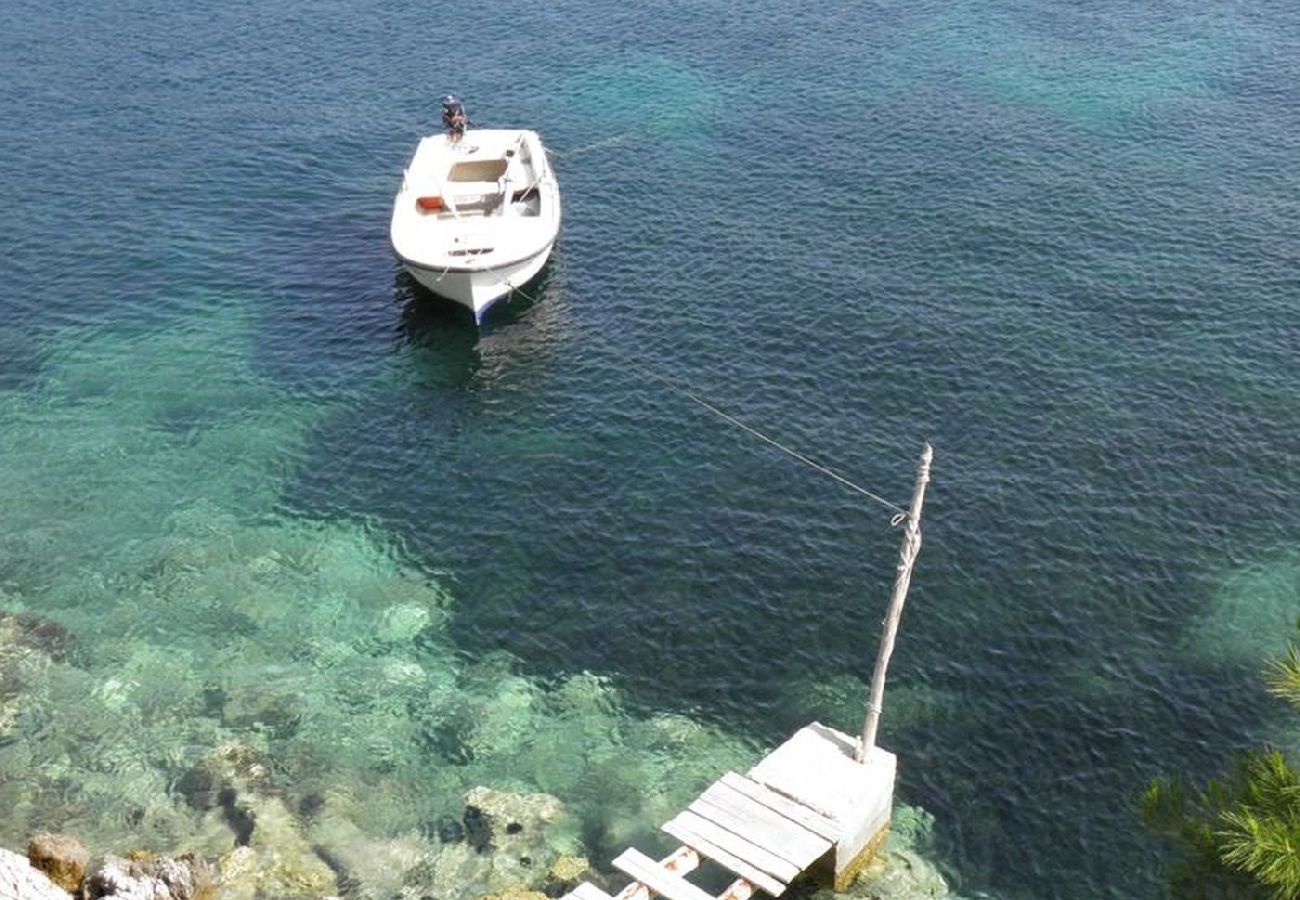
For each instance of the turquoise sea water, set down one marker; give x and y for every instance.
(275, 494)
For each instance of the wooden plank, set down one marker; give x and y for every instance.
(679, 862)
(806, 816)
(761, 825)
(722, 847)
(656, 878)
(587, 891)
(759, 834)
(634, 891)
(737, 845)
(740, 889)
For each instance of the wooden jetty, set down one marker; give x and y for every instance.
(819, 804)
(809, 806)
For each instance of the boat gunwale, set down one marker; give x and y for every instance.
(487, 265)
(466, 270)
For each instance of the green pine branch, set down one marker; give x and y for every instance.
(1283, 676)
(1241, 833)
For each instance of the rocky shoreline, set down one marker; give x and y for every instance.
(502, 848)
(252, 829)
(502, 843)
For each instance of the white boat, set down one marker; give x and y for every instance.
(476, 217)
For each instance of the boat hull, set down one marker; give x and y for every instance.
(478, 289)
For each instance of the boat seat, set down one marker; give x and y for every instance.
(511, 192)
(473, 191)
(473, 196)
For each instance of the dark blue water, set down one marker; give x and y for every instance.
(1058, 240)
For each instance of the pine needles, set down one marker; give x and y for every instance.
(1241, 833)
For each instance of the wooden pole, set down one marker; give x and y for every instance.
(906, 558)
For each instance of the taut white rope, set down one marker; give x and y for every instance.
(689, 394)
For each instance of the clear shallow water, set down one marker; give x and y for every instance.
(1060, 241)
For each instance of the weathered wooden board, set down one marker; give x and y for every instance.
(587, 891)
(760, 825)
(656, 878)
(806, 816)
(732, 852)
(740, 889)
(761, 835)
(738, 845)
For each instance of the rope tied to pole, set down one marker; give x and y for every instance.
(907, 554)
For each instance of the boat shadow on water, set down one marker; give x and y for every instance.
(443, 336)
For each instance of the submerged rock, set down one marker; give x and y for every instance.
(900, 875)
(569, 869)
(238, 874)
(403, 623)
(516, 892)
(511, 843)
(283, 863)
(900, 872)
(29, 647)
(62, 858)
(456, 873)
(365, 866)
(272, 858)
(506, 823)
(32, 633)
(185, 877)
(268, 706)
(911, 827)
(564, 875)
(19, 880)
(448, 830)
(232, 770)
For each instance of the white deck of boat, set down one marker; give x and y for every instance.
(481, 224)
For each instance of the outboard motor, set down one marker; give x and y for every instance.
(453, 117)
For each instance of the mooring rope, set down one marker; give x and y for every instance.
(900, 514)
(795, 454)
(587, 148)
(689, 393)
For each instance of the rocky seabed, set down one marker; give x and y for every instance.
(504, 846)
(245, 822)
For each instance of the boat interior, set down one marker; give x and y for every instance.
(504, 185)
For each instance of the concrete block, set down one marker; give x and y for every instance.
(816, 767)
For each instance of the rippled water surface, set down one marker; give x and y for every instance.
(259, 478)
